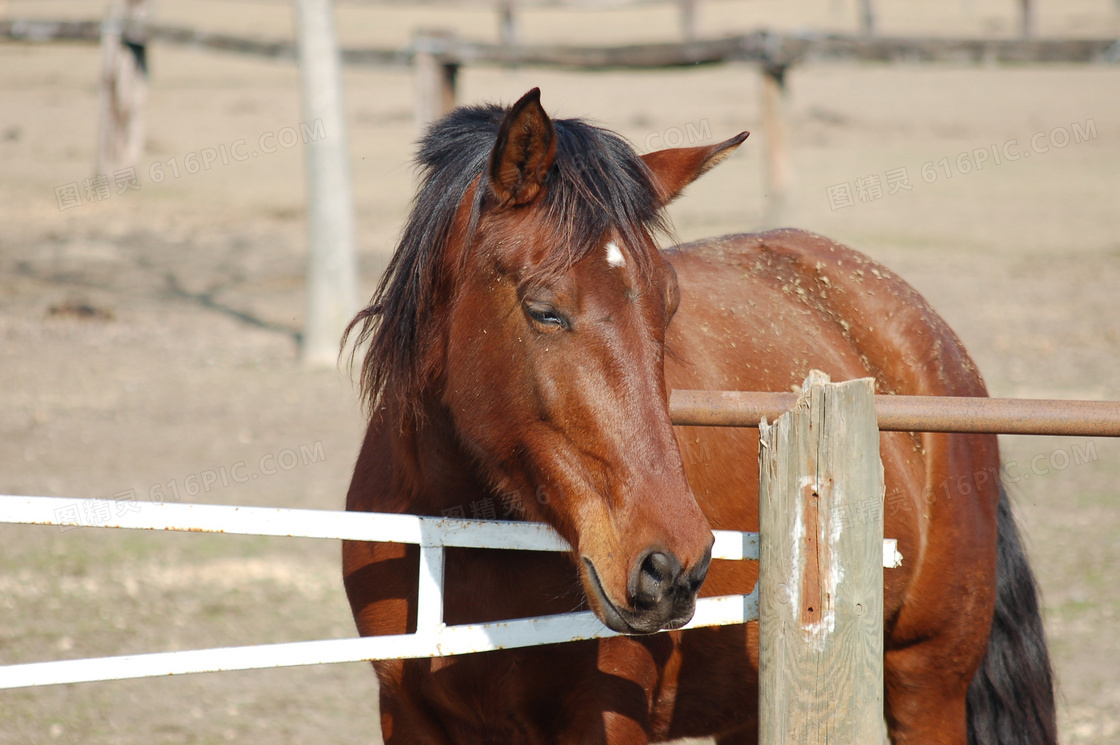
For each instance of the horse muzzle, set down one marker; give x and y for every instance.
(661, 594)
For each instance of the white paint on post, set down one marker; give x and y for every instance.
(332, 275)
(892, 557)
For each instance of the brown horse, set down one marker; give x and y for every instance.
(522, 345)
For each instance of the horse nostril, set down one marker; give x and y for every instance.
(656, 577)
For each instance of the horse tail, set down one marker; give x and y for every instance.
(1011, 697)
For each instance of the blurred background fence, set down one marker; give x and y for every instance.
(435, 58)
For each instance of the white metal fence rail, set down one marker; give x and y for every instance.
(432, 638)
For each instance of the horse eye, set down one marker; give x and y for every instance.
(545, 315)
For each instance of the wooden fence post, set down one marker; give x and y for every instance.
(124, 87)
(867, 16)
(779, 174)
(688, 19)
(332, 273)
(1026, 17)
(507, 23)
(821, 569)
(435, 77)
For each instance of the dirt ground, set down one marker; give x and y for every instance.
(149, 338)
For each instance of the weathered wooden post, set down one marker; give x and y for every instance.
(1026, 17)
(688, 19)
(867, 16)
(507, 23)
(779, 174)
(435, 76)
(124, 87)
(332, 273)
(821, 569)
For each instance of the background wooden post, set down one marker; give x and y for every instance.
(821, 569)
(124, 87)
(435, 77)
(779, 174)
(867, 16)
(688, 19)
(1026, 17)
(332, 273)
(507, 23)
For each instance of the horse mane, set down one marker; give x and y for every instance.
(596, 182)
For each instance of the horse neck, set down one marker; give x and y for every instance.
(430, 467)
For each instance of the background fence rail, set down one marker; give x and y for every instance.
(436, 58)
(767, 47)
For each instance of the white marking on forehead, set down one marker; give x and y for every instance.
(614, 255)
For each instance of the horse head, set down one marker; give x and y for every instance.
(534, 315)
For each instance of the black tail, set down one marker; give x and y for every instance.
(1011, 699)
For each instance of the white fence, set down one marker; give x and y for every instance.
(432, 638)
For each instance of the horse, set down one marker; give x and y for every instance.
(521, 347)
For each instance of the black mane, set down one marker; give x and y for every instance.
(596, 182)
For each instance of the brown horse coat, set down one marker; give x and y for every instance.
(541, 391)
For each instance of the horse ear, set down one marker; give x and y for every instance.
(675, 169)
(523, 153)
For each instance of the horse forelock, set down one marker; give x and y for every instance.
(596, 184)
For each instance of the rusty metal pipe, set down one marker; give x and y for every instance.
(1011, 416)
